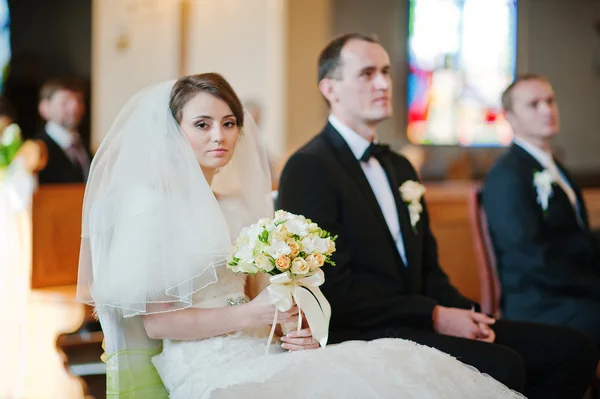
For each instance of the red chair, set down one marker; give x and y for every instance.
(486, 258)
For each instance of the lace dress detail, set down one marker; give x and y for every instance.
(235, 366)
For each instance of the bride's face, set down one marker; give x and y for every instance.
(211, 129)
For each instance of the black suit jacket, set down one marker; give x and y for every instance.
(546, 261)
(59, 169)
(370, 290)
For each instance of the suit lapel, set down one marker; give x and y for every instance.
(560, 197)
(531, 162)
(352, 166)
(408, 235)
(345, 156)
(580, 204)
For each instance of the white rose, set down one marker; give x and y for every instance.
(270, 227)
(282, 217)
(298, 227)
(264, 263)
(543, 180)
(314, 243)
(412, 191)
(277, 235)
(245, 267)
(10, 134)
(255, 231)
(281, 214)
(300, 266)
(543, 184)
(414, 210)
(278, 249)
(245, 253)
(242, 241)
(264, 221)
(313, 227)
(415, 207)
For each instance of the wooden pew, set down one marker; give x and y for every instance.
(56, 216)
(591, 196)
(448, 213)
(447, 204)
(56, 233)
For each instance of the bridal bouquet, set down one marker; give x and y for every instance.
(291, 249)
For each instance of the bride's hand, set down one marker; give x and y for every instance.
(299, 340)
(262, 311)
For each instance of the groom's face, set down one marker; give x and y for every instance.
(364, 89)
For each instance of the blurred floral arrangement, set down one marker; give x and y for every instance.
(10, 143)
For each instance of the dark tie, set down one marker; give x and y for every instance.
(76, 153)
(375, 150)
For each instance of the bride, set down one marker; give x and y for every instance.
(178, 175)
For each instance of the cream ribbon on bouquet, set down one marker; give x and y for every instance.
(305, 292)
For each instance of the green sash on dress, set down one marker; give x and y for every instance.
(130, 374)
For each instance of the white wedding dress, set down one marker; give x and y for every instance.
(235, 365)
(152, 231)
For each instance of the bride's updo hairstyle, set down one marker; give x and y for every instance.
(214, 84)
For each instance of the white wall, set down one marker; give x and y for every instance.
(309, 30)
(562, 44)
(267, 50)
(244, 41)
(151, 29)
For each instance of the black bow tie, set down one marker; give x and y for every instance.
(374, 150)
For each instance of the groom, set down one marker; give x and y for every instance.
(387, 281)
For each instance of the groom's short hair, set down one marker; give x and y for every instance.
(68, 83)
(330, 58)
(507, 100)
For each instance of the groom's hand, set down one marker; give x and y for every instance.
(463, 323)
(487, 334)
(299, 340)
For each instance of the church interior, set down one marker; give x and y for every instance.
(52, 344)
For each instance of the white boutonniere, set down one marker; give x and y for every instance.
(543, 180)
(411, 192)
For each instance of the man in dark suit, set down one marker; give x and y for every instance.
(387, 281)
(62, 107)
(548, 260)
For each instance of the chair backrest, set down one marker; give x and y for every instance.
(484, 252)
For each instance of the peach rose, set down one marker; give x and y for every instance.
(294, 247)
(315, 261)
(283, 263)
(330, 247)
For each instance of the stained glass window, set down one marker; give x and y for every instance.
(462, 55)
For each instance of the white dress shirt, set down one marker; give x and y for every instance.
(547, 161)
(377, 180)
(70, 143)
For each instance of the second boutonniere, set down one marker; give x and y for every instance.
(411, 192)
(543, 180)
